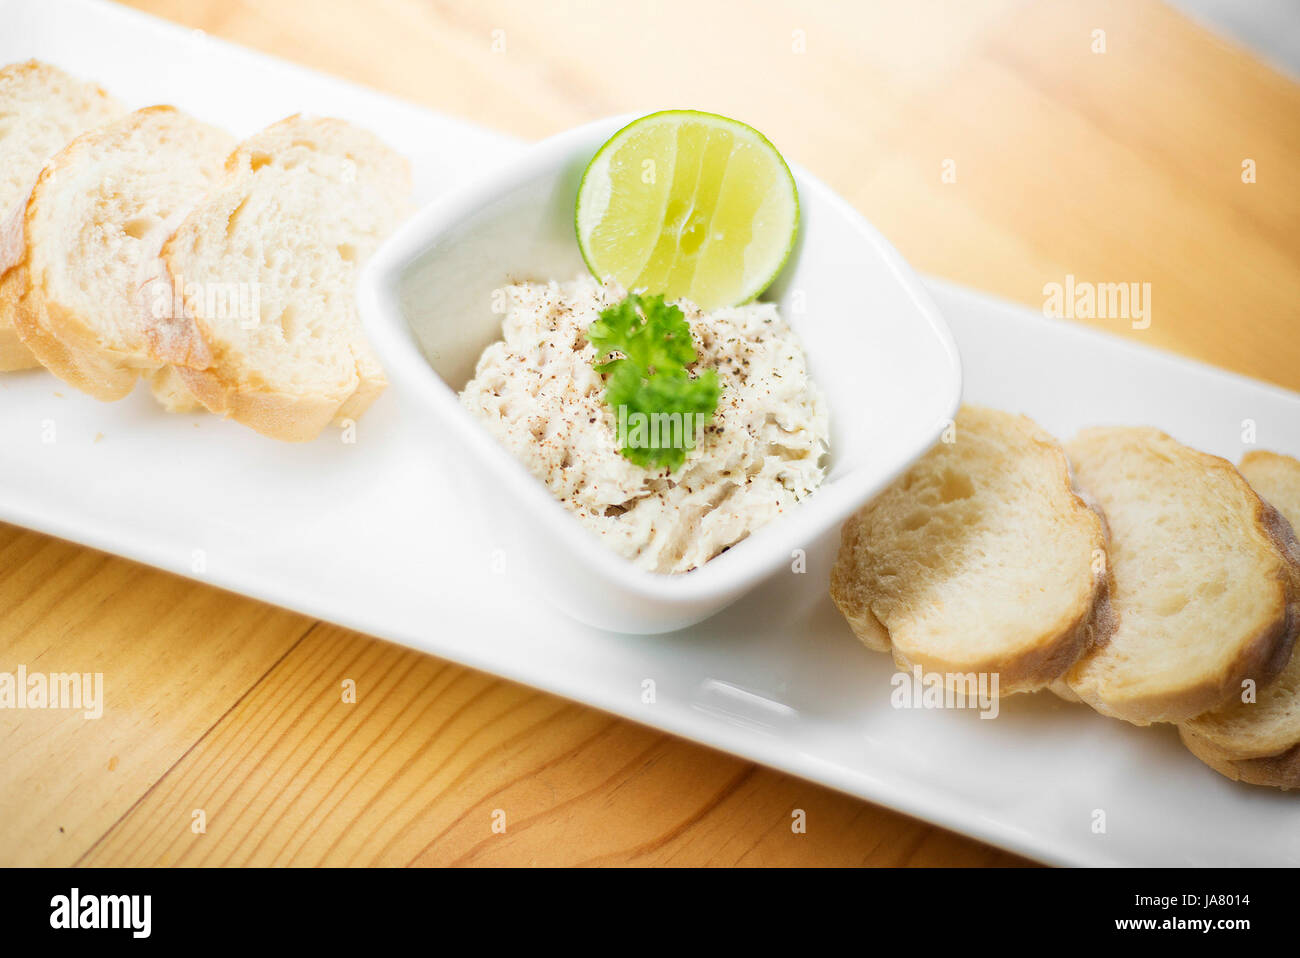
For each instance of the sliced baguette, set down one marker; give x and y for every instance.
(95, 222)
(300, 207)
(1203, 572)
(41, 109)
(1259, 741)
(981, 558)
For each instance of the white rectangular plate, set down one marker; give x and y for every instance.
(379, 535)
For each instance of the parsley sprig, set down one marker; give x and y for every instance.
(644, 348)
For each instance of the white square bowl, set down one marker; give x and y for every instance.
(875, 343)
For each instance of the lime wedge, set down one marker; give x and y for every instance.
(688, 204)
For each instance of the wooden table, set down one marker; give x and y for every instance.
(1123, 165)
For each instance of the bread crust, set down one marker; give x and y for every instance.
(1253, 743)
(1262, 654)
(93, 371)
(278, 415)
(185, 342)
(848, 595)
(369, 389)
(1277, 771)
(56, 334)
(14, 353)
(1086, 626)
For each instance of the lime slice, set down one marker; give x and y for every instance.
(689, 205)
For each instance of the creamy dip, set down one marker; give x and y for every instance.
(537, 392)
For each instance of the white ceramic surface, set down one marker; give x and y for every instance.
(381, 537)
(875, 344)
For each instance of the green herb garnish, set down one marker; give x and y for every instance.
(659, 406)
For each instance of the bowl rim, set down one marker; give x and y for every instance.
(743, 564)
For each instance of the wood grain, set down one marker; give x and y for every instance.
(1116, 166)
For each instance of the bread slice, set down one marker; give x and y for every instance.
(300, 207)
(1259, 741)
(1204, 578)
(980, 558)
(41, 109)
(95, 222)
